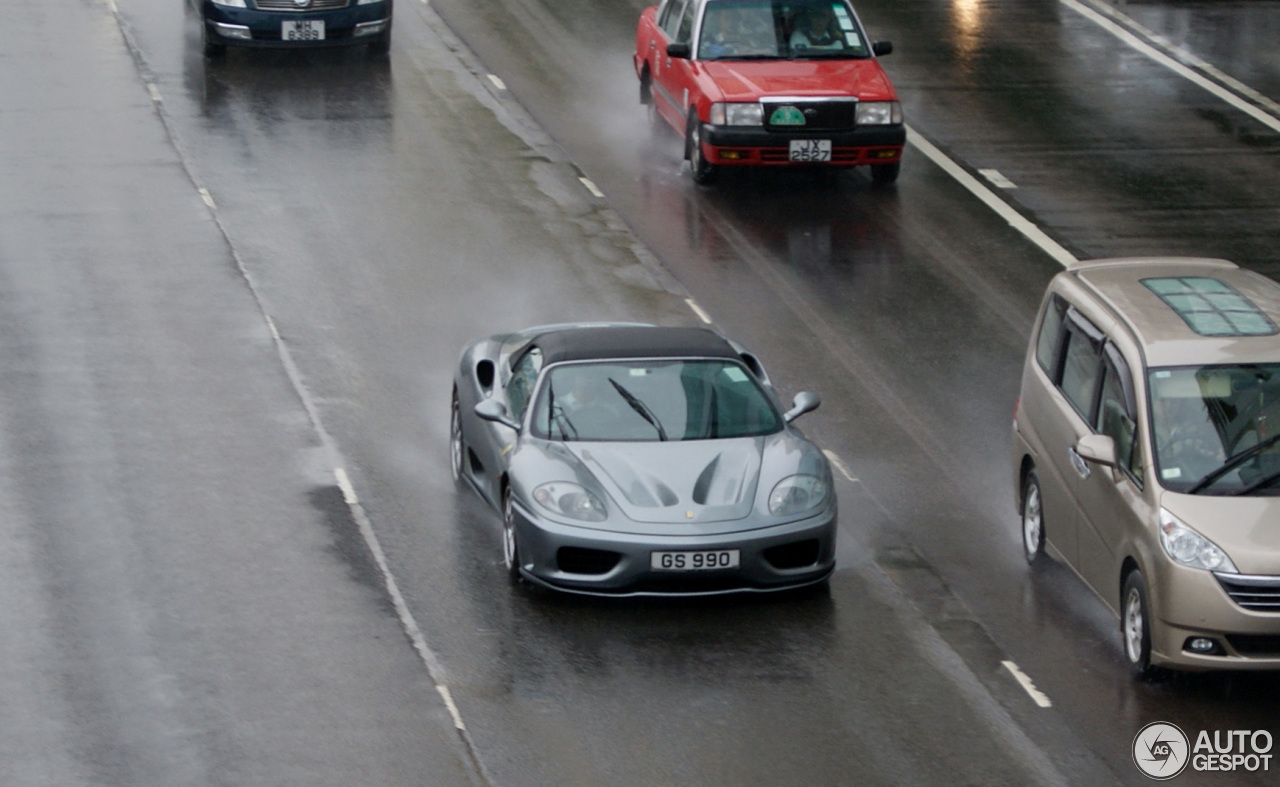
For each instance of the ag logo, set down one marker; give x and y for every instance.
(1160, 750)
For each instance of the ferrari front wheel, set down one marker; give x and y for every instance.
(510, 547)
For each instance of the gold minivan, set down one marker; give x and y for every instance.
(1147, 459)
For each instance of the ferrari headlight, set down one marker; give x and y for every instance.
(737, 114)
(796, 494)
(1189, 548)
(571, 500)
(878, 113)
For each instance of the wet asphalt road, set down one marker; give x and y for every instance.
(188, 598)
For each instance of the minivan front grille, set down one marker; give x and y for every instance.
(1256, 645)
(290, 5)
(1256, 593)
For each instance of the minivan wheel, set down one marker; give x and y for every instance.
(1032, 519)
(1135, 623)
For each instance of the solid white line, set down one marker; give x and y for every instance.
(1173, 65)
(591, 187)
(1040, 697)
(702, 315)
(839, 464)
(1005, 211)
(498, 83)
(155, 92)
(208, 199)
(998, 180)
(344, 483)
(453, 709)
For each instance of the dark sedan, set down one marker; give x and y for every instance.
(294, 23)
(639, 460)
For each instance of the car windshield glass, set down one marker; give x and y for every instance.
(765, 29)
(1216, 429)
(651, 401)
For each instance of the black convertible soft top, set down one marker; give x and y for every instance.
(600, 343)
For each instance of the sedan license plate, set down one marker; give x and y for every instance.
(302, 30)
(810, 150)
(703, 560)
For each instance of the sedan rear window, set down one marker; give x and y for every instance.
(652, 400)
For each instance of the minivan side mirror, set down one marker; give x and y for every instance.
(493, 410)
(1097, 448)
(882, 48)
(679, 51)
(805, 402)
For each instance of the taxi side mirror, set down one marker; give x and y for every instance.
(679, 51)
(882, 48)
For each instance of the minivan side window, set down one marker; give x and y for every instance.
(1050, 332)
(1116, 417)
(1081, 364)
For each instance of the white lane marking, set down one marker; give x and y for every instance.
(498, 83)
(1040, 697)
(344, 483)
(996, 179)
(1005, 211)
(839, 464)
(453, 709)
(154, 91)
(208, 199)
(591, 187)
(1160, 57)
(275, 333)
(702, 315)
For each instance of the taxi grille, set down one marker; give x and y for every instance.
(289, 5)
(1256, 593)
(818, 115)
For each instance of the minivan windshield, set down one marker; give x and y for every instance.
(652, 400)
(778, 29)
(1216, 429)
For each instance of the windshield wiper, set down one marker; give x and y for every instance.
(1266, 480)
(639, 407)
(558, 418)
(1234, 462)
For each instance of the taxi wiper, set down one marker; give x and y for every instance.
(1235, 462)
(639, 407)
(746, 57)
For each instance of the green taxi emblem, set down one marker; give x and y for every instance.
(786, 116)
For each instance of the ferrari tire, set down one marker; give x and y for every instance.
(457, 446)
(510, 547)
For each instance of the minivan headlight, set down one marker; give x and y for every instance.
(878, 113)
(571, 500)
(796, 494)
(736, 114)
(1189, 548)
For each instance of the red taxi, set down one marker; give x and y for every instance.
(769, 82)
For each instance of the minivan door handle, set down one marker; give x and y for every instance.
(1081, 466)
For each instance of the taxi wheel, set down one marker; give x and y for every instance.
(1032, 519)
(884, 174)
(1135, 623)
(457, 447)
(703, 170)
(510, 549)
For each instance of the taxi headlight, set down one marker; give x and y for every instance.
(796, 494)
(1189, 548)
(736, 114)
(571, 500)
(878, 113)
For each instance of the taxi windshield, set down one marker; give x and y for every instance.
(1216, 429)
(779, 29)
(658, 400)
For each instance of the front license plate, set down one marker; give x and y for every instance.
(302, 30)
(694, 561)
(810, 150)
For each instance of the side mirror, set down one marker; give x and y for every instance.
(493, 410)
(679, 51)
(805, 402)
(882, 48)
(1097, 448)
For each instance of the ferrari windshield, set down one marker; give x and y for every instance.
(776, 29)
(652, 400)
(1212, 428)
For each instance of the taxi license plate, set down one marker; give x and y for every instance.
(302, 30)
(810, 150)
(703, 560)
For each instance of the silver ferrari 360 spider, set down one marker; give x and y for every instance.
(640, 460)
